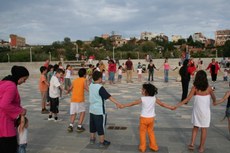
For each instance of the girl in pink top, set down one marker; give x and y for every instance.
(166, 70)
(10, 108)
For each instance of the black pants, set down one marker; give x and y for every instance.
(214, 76)
(8, 145)
(150, 75)
(185, 85)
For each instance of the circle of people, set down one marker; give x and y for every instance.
(91, 80)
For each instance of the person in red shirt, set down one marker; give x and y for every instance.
(214, 68)
(111, 70)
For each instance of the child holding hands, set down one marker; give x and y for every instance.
(201, 114)
(147, 116)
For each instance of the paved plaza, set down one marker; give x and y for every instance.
(172, 128)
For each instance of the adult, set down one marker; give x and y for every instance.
(129, 70)
(166, 70)
(151, 68)
(102, 66)
(112, 70)
(185, 79)
(214, 68)
(10, 108)
(47, 63)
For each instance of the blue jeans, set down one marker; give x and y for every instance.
(166, 75)
(22, 148)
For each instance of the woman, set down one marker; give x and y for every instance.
(151, 68)
(214, 68)
(185, 78)
(10, 108)
(201, 114)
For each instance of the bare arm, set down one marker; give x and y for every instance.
(164, 104)
(212, 95)
(191, 93)
(22, 124)
(223, 99)
(115, 102)
(86, 87)
(136, 102)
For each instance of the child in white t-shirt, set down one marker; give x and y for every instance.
(22, 125)
(139, 72)
(119, 73)
(147, 116)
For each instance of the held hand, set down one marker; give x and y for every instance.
(173, 108)
(23, 113)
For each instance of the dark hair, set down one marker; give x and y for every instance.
(97, 75)
(185, 63)
(67, 66)
(119, 67)
(18, 121)
(90, 65)
(50, 67)
(56, 67)
(42, 69)
(60, 71)
(150, 89)
(82, 72)
(201, 81)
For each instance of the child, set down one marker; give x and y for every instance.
(97, 97)
(225, 75)
(22, 125)
(89, 73)
(119, 71)
(103, 76)
(201, 115)
(68, 74)
(43, 86)
(77, 104)
(55, 87)
(139, 71)
(147, 116)
(50, 73)
(227, 112)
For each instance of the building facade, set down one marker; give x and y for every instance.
(199, 37)
(175, 38)
(221, 36)
(17, 41)
(148, 35)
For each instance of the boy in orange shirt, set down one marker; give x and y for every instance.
(77, 104)
(43, 87)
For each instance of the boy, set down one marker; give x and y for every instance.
(97, 97)
(54, 92)
(43, 87)
(77, 104)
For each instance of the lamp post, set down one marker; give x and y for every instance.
(8, 57)
(31, 54)
(216, 53)
(50, 56)
(77, 55)
(113, 52)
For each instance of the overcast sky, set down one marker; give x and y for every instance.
(46, 21)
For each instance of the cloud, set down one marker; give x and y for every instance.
(43, 22)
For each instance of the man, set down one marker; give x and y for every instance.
(129, 69)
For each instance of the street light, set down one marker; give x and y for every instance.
(113, 52)
(50, 56)
(77, 55)
(8, 57)
(30, 54)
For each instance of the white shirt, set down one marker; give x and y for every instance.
(54, 90)
(148, 106)
(119, 72)
(139, 71)
(22, 137)
(68, 74)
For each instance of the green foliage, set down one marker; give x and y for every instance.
(226, 49)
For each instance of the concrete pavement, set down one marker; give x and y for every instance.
(172, 128)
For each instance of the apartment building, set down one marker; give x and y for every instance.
(199, 37)
(118, 41)
(17, 41)
(148, 35)
(175, 38)
(221, 36)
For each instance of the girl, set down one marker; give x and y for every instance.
(139, 72)
(147, 115)
(22, 125)
(68, 74)
(227, 112)
(119, 71)
(201, 115)
(103, 76)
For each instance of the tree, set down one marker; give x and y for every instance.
(190, 41)
(226, 49)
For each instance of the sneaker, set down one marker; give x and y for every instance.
(50, 119)
(70, 129)
(104, 144)
(92, 141)
(80, 129)
(45, 111)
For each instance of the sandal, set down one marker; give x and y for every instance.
(191, 147)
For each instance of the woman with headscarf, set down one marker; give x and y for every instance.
(10, 108)
(185, 78)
